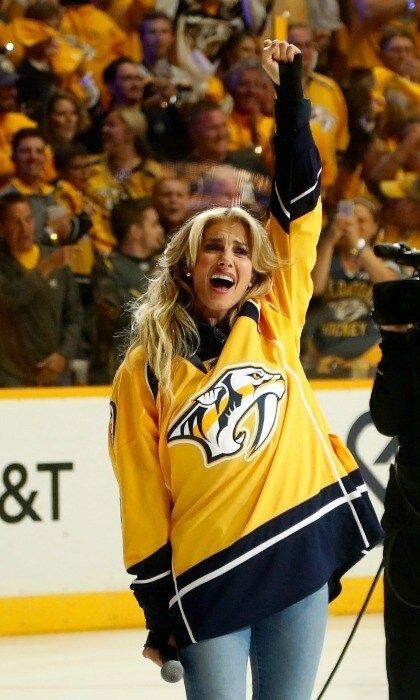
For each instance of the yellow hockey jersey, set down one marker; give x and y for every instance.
(236, 500)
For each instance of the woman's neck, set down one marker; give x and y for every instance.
(350, 263)
(213, 321)
(126, 158)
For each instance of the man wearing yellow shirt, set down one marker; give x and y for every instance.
(368, 17)
(248, 127)
(40, 312)
(329, 109)
(54, 220)
(401, 209)
(74, 165)
(401, 66)
(11, 121)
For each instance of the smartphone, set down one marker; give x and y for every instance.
(345, 207)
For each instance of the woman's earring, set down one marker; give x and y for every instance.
(188, 274)
(250, 285)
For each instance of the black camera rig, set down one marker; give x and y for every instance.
(397, 302)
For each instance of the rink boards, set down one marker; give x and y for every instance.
(60, 554)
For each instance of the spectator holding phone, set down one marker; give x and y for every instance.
(343, 338)
(165, 81)
(55, 223)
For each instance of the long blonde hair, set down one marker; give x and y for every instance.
(163, 324)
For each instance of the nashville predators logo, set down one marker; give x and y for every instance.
(216, 419)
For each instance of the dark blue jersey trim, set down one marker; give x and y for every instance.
(250, 310)
(153, 588)
(154, 564)
(274, 527)
(278, 576)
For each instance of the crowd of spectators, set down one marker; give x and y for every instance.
(119, 119)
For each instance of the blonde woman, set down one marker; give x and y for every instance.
(240, 512)
(126, 171)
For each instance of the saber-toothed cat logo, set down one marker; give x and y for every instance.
(215, 418)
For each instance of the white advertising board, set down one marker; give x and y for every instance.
(59, 511)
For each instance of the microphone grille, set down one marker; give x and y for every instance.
(172, 671)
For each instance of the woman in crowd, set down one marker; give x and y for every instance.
(234, 528)
(65, 119)
(344, 340)
(125, 171)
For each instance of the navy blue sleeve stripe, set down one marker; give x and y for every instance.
(299, 196)
(152, 579)
(309, 190)
(285, 211)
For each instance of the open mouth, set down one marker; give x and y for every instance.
(221, 282)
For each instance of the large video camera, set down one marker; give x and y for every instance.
(397, 302)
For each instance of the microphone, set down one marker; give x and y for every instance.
(172, 670)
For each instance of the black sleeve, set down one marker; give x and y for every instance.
(296, 183)
(390, 399)
(153, 588)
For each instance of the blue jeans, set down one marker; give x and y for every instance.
(284, 651)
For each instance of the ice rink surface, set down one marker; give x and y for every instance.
(109, 666)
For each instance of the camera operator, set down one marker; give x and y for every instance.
(395, 410)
